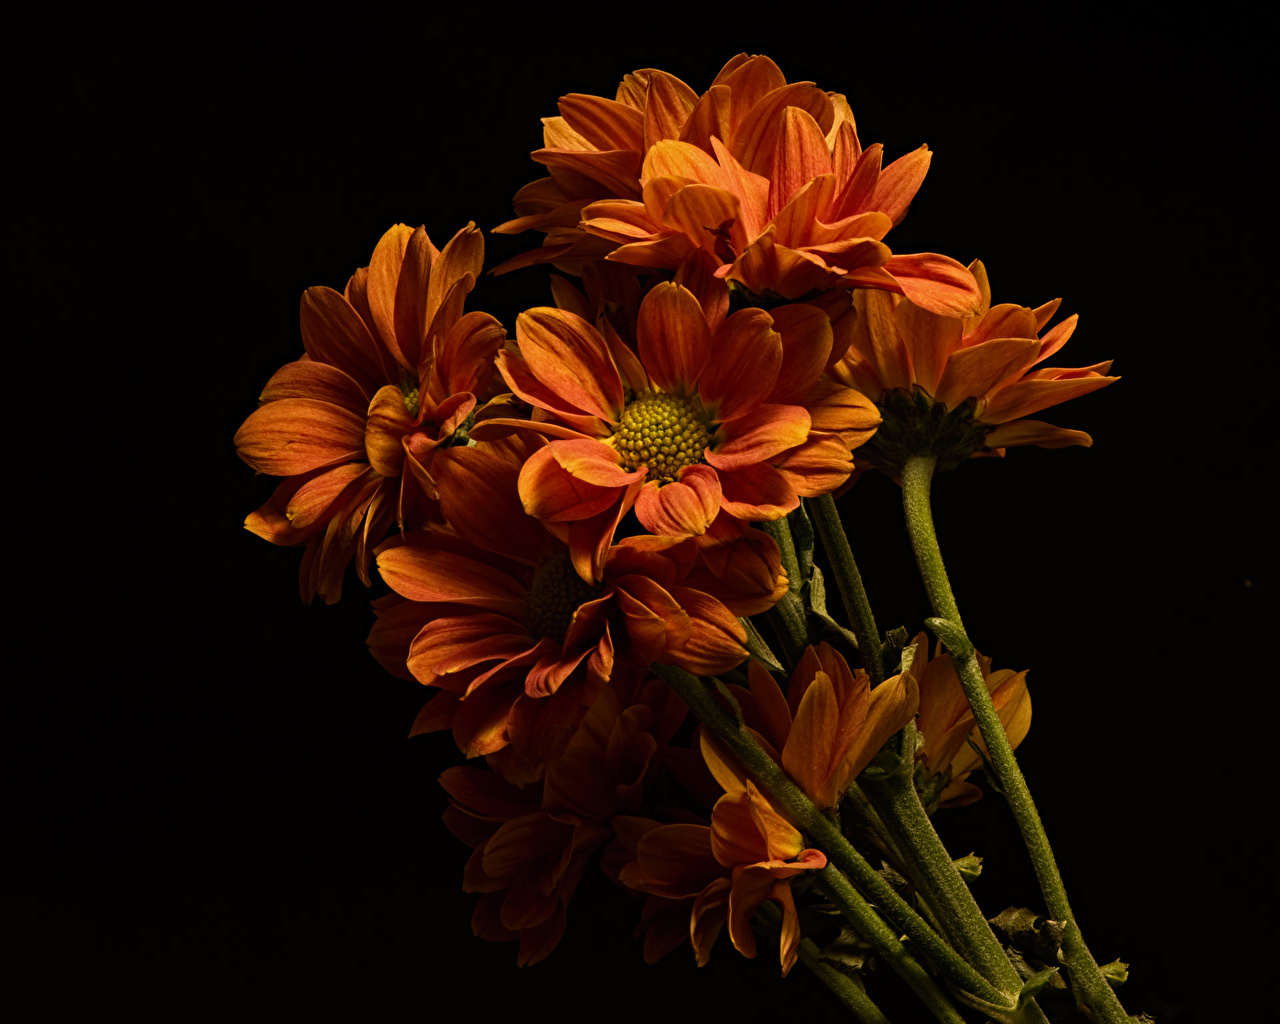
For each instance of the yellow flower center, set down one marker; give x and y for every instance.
(410, 400)
(664, 432)
(555, 594)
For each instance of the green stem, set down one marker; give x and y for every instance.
(842, 986)
(788, 798)
(928, 866)
(836, 543)
(1087, 981)
(789, 610)
(832, 884)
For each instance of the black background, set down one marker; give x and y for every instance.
(219, 811)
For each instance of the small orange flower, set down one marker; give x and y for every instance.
(946, 724)
(748, 855)
(699, 421)
(392, 371)
(827, 728)
(960, 386)
(762, 181)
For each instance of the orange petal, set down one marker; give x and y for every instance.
(807, 755)
(975, 372)
(334, 333)
(817, 467)
(566, 354)
(757, 435)
(592, 462)
(673, 337)
(668, 104)
(701, 211)
(685, 507)
(605, 124)
(899, 183)
(297, 435)
(411, 313)
(799, 155)
(309, 378)
(389, 421)
(423, 574)
(548, 491)
(1037, 432)
(931, 337)
(1028, 396)
(806, 343)
(717, 641)
(382, 284)
(936, 283)
(748, 355)
(893, 704)
(757, 492)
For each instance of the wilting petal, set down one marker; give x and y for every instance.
(685, 507)
(297, 435)
(710, 911)
(673, 337)
(436, 715)
(677, 860)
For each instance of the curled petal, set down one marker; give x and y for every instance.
(757, 492)
(384, 433)
(685, 507)
(936, 283)
(1037, 432)
(549, 491)
(309, 378)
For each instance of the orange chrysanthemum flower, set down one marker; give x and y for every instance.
(533, 843)
(947, 725)
(825, 730)
(957, 387)
(700, 421)
(761, 180)
(721, 874)
(517, 642)
(391, 374)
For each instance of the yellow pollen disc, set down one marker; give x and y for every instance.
(410, 400)
(555, 594)
(661, 431)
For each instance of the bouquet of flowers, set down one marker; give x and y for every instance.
(604, 542)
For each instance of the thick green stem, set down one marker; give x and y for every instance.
(929, 867)
(832, 884)
(841, 985)
(789, 611)
(849, 580)
(788, 798)
(1087, 981)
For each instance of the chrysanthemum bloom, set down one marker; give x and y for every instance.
(517, 642)
(825, 730)
(721, 874)
(734, 419)
(957, 387)
(391, 373)
(946, 725)
(532, 844)
(764, 181)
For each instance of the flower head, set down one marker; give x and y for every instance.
(762, 181)
(695, 421)
(956, 387)
(392, 371)
(518, 643)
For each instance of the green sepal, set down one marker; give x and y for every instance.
(1034, 984)
(969, 866)
(1116, 973)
